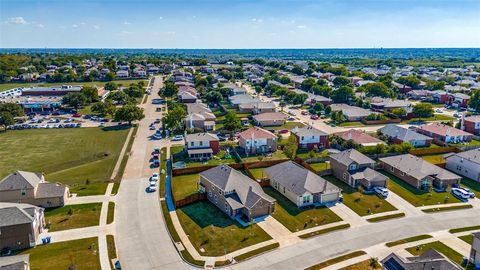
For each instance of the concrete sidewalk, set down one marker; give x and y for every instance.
(278, 232)
(348, 215)
(401, 204)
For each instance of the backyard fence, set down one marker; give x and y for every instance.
(433, 151)
(380, 122)
(190, 199)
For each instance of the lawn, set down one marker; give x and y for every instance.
(434, 159)
(472, 185)
(8, 86)
(435, 117)
(470, 143)
(287, 126)
(467, 238)
(363, 265)
(448, 208)
(336, 260)
(220, 158)
(440, 247)
(213, 233)
(408, 240)
(82, 158)
(83, 254)
(73, 216)
(273, 156)
(362, 204)
(465, 229)
(415, 196)
(258, 173)
(111, 212)
(321, 166)
(351, 124)
(112, 251)
(184, 185)
(296, 219)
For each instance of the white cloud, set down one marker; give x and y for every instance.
(127, 23)
(160, 18)
(170, 33)
(257, 20)
(39, 25)
(74, 25)
(301, 26)
(16, 20)
(96, 27)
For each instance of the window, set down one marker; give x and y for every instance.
(303, 138)
(201, 143)
(306, 199)
(392, 169)
(215, 198)
(210, 193)
(402, 173)
(24, 192)
(192, 144)
(226, 207)
(344, 175)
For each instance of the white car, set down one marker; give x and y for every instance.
(177, 138)
(382, 191)
(468, 191)
(154, 178)
(439, 110)
(157, 136)
(152, 187)
(292, 113)
(460, 193)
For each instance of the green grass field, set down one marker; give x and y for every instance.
(258, 173)
(320, 166)
(296, 219)
(83, 254)
(287, 126)
(69, 156)
(81, 215)
(467, 238)
(210, 229)
(434, 159)
(8, 86)
(415, 196)
(184, 185)
(218, 159)
(274, 156)
(362, 204)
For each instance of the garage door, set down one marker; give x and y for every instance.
(333, 197)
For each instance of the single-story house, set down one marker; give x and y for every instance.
(458, 100)
(388, 104)
(419, 173)
(256, 107)
(31, 188)
(430, 259)
(20, 225)
(201, 146)
(240, 99)
(356, 169)
(311, 138)
(442, 133)
(235, 89)
(270, 119)
(471, 124)
(186, 97)
(351, 113)
(257, 140)
(301, 186)
(235, 194)
(398, 134)
(359, 137)
(465, 164)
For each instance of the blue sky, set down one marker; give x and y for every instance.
(239, 24)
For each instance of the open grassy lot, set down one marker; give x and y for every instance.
(363, 265)
(82, 158)
(408, 240)
(415, 196)
(362, 204)
(435, 117)
(73, 216)
(83, 254)
(273, 156)
(213, 233)
(296, 219)
(184, 185)
(472, 185)
(336, 260)
(440, 247)
(220, 158)
(8, 86)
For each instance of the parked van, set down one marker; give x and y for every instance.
(460, 194)
(381, 191)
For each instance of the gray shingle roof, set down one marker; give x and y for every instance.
(50, 190)
(471, 155)
(201, 137)
(418, 167)
(308, 131)
(20, 180)
(370, 175)
(15, 213)
(227, 179)
(403, 134)
(351, 155)
(298, 179)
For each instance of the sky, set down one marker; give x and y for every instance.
(239, 24)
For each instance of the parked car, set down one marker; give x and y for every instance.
(152, 128)
(283, 131)
(76, 115)
(155, 177)
(304, 113)
(439, 110)
(157, 136)
(292, 113)
(468, 191)
(460, 194)
(382, 191)
(152, 187)
(314, 117)
(177, 138)
(291, 118)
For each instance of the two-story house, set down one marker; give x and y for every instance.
(442, 133)
(199, 116)
(311, 138)
(257, 140)
(235, 194)
(356, 169)
(465, 164)
(28, 187)
(201, 146)
(471, 124)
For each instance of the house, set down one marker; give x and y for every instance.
(458, 100)
(20, 225)
(240, 99)
(356, 169)
(122, 74)
(301, 186)
(269, 119)
(430, 259)
(398, 134)
(442, 133)
(311, 138)
(235, 194)
(440, 97)
(16, 262)
(313, 99)
(471, 124)
(419, 173)
(465, 164)
(235, 90)
(257, 140)
(257, 107)
(475, 250)
(201, 146)
(186, 97)
(388, 104)
(402, 87)
(359, 137)
(199, 116)
(28, 187)
(351, 113)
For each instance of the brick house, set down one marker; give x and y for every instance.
(441, 133)
(397, 134)
(257, 140)
(269, 119)
(201, 146)
(471, 124)
(311, 138)
(235, 194)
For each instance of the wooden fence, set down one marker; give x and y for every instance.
(190, 199)
(380, 122)
(433, 151)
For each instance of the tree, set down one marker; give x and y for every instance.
(175, 117)
(129, 113)
(110, 76)
(104, 108)
(111, 86)
(307, 84)
(410, 80)
(342, 95)
(298, 70)
(90, 93)
(75, 100)
(6, 119)
(134, 91)
(232, 123)
(373, 262)
(14, 109)
(290, 149)
(376, 89)
(169, 90)
(423, 110)
(474, 102)
(342, 81)
(214, 96)
(399, 112)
